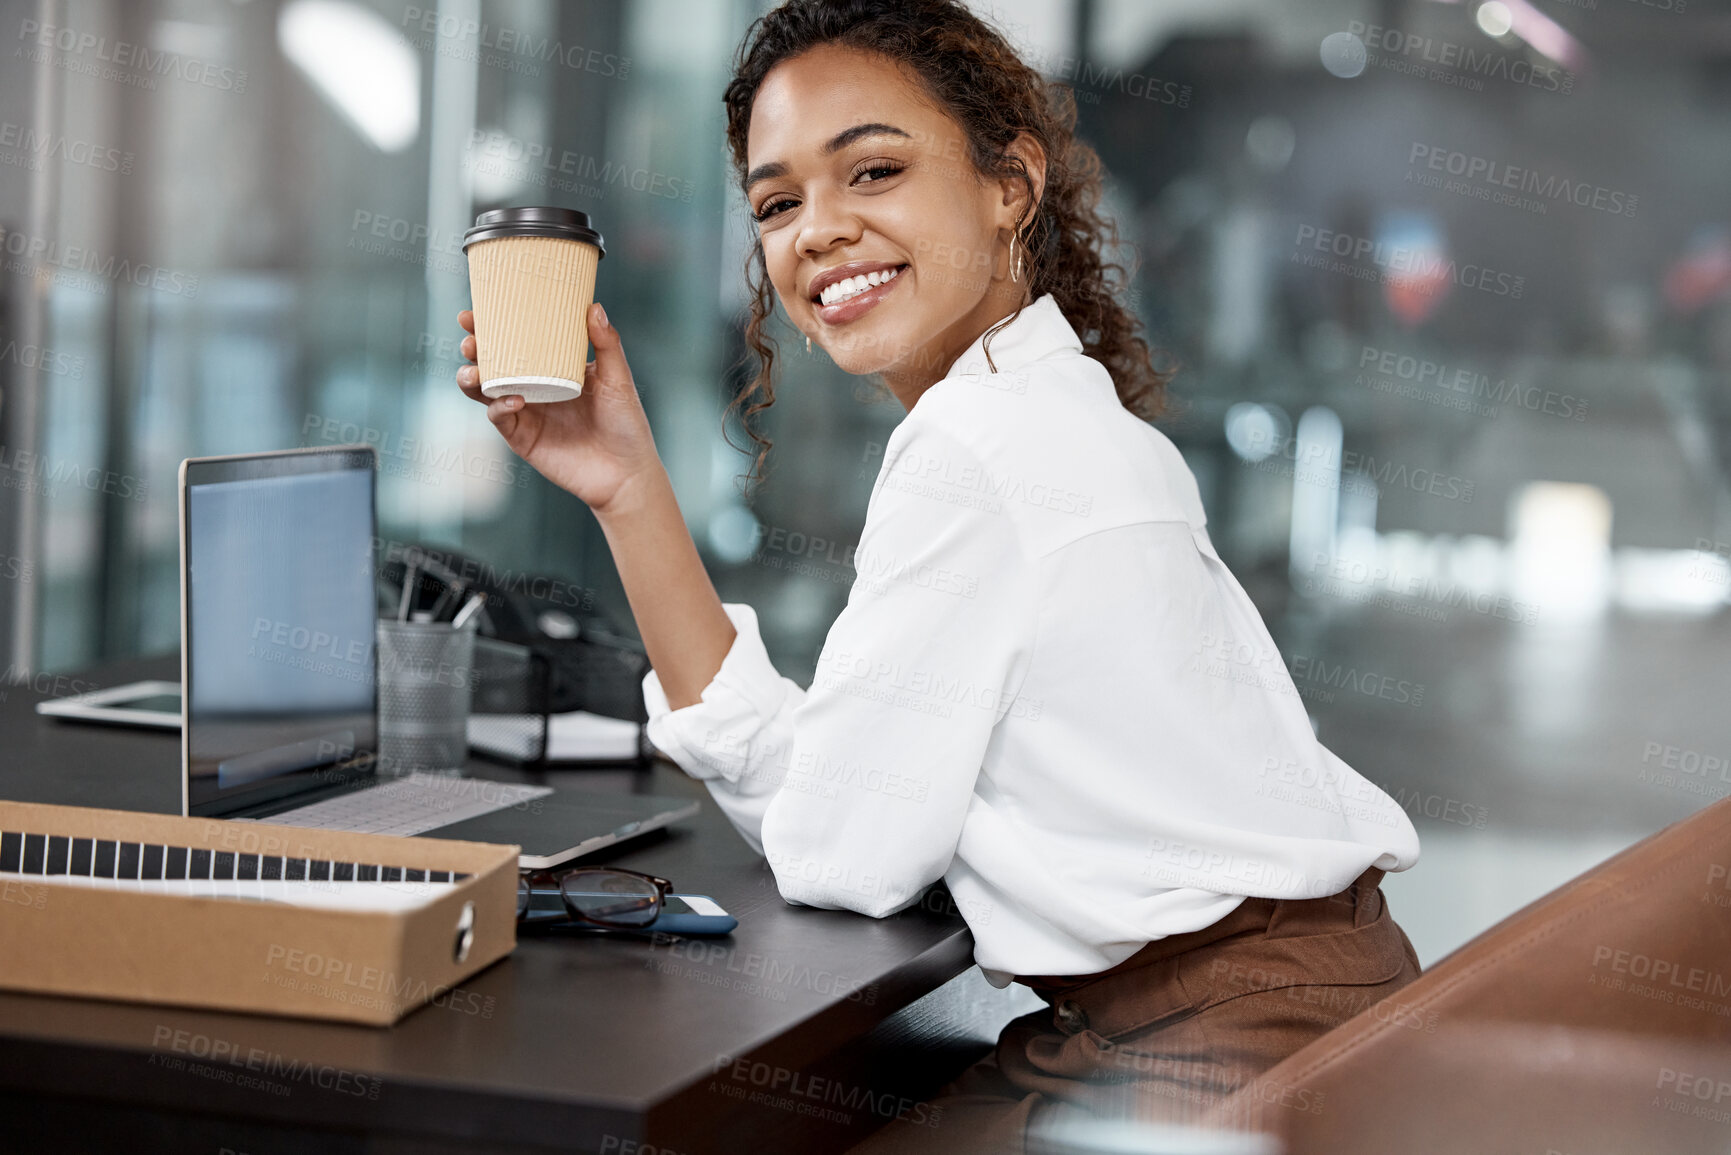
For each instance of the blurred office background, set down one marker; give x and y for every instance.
(1448, 285)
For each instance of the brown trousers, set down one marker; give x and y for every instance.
(1171, 1033)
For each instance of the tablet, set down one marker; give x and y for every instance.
(152, 704)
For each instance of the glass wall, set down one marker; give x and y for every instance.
(1448, 286)
(267, 254)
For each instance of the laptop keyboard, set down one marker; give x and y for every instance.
(412, 805)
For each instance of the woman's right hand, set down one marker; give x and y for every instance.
(595, 445)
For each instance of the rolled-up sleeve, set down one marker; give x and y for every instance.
(857, 788)
(735, 738)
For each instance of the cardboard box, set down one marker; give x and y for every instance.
(109, 940)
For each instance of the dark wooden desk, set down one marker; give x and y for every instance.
(802, 1031)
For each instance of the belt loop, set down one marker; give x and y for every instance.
(1368, 896)
(1069, 1017)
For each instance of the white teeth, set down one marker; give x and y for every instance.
(853, 286)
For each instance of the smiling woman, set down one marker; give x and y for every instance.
(1045, 689)
(847, 207)
(864, 148)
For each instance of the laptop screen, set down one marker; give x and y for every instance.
(280, 613)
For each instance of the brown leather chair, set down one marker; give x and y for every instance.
(1597, 1020)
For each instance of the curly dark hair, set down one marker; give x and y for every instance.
(980, 81)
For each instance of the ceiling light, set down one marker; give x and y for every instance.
(358, 63)
(1495, 19)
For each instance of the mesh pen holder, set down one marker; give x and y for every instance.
(426, 672)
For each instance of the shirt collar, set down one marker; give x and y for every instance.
(1038, 331)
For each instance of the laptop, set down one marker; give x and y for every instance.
(279, 710)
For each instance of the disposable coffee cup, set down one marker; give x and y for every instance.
(532, 278)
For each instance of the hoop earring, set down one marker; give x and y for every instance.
(808, 344)
(1015, 260)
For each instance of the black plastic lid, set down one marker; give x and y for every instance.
(534, 221)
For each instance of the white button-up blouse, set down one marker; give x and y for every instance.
(1045, 688)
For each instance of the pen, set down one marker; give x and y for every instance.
(445, 595)
(409, 576)
(469, 610)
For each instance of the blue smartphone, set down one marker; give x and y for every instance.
(688, 914)
(694, 914)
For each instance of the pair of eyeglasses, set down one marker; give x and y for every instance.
(604, 896)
